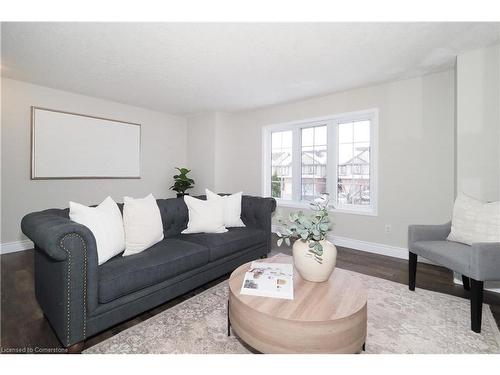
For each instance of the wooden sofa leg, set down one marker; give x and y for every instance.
(412, 270)
(476, 304)
(465, 281)
(76, 348)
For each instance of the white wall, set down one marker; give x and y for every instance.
(201, 151)
(478, 123)
(163, 148)
(208, 134)
(416, 152)
(224, 139)
(416, 149)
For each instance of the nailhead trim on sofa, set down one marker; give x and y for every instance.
(84, 244)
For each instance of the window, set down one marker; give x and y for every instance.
(313, 149)
(353, 189)
(281, 160)
(335, 155)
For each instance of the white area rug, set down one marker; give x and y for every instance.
(399, 321)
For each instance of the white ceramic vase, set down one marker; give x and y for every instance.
(308, 267)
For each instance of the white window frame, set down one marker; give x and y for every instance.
(332, 123)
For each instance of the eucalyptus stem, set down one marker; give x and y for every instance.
(312, 228)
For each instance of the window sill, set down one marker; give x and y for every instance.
(305, 206)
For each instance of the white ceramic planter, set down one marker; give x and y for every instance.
(308, 267)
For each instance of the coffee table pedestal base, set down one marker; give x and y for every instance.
(269, 334)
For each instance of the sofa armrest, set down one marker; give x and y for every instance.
(65, 271)
(428, 233)
(256, 212)
(485, 261)
(47, 228)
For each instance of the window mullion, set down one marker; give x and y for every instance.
(332, 162)
(266, 162)
(297, 164)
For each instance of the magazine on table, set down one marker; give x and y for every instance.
(269, 280)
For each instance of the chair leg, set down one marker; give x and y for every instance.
(228, 321)
(412, 270)
(476, 304)
(465, 281)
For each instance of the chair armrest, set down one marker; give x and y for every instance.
(65, 271)
(485, 261)
(428, 232)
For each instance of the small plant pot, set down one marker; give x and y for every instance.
(308, 267)
(180, 195)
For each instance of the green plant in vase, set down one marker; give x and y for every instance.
(309, 235)
(182, 182)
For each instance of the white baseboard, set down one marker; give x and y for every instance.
(370, 247)
(374, 247)
(12, 247)
(492, 286)
(392, 251)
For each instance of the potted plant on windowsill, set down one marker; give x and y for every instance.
(314, 257)
(182, 182)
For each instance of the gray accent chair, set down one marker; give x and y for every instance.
(81, 298)
(477, 263)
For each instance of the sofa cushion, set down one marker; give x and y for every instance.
(142, 223)
(224, 244)
(474, 221)
(453, 255)
(204, 216)
(168, 258)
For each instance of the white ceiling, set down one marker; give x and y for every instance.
(183, 68)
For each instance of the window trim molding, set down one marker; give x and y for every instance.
(331, 121)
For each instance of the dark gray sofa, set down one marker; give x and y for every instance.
(80, 298)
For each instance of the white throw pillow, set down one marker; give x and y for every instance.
(142, 222)
(106, 224)
(204, 216)
(232, 208)
(474, 221)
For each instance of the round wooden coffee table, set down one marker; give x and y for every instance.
(327, 317)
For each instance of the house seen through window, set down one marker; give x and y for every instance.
(333, 156)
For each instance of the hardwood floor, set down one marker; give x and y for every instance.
(23, 326)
